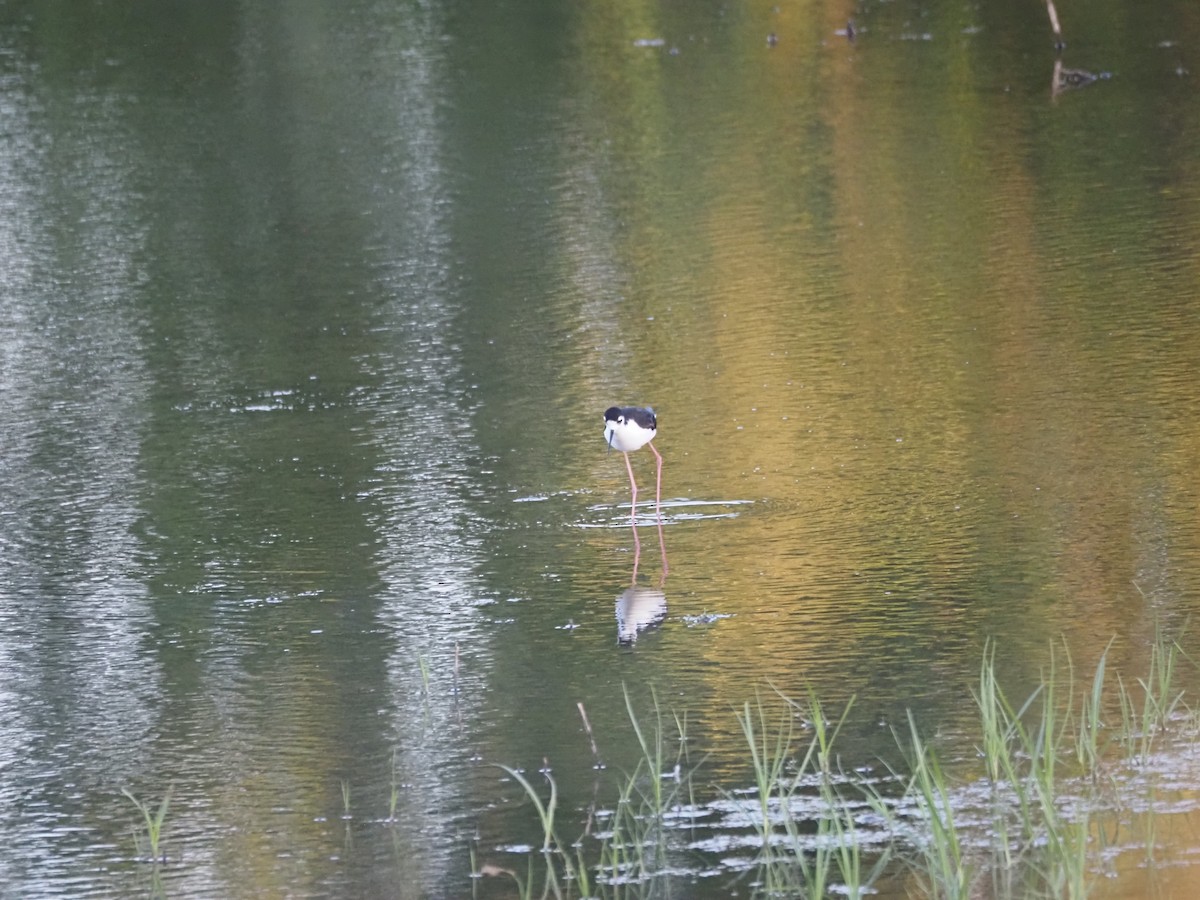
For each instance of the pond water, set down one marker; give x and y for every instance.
(308, 320)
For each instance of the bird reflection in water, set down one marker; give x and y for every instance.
(638, 608)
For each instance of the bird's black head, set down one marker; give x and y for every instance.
(612, 414)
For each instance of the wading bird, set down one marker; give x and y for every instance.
(628, 428)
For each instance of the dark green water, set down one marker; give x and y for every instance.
(308, 319)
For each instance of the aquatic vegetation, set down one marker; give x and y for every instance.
(152, 827)
(1055, 777)
(634, 837)
(797, 791)
(1161, 701)
(394, 787)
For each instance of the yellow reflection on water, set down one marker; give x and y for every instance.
(880, 301)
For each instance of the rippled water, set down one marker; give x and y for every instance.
(308, 321)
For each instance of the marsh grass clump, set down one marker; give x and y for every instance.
(1152, 704)
(564, 872)
(1033, 813)
(807, 827)
(940, 862)
(1052, 780)
(634, 845)
(634, 849)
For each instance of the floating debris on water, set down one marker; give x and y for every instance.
(704, 619)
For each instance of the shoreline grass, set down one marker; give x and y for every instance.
(1032, 817)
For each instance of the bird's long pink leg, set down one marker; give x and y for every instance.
(632, 489)
(658, 481)
(658, 508)
(637, 542)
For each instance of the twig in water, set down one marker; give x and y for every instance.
(591, 737)
(1059, 43)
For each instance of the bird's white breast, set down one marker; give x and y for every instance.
(626, 436)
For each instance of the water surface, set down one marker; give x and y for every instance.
(308, 320)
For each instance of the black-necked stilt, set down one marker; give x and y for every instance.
(628, 428)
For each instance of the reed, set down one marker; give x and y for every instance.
(837, 828)
(788, 864)
(661, 771)
(1023, 750)
(623, 850)
(152, 826)
(997, 731)
(393, 792)
(1149, 710)
(637, 843)
(770, 746)
(846, 846)
(944, 870)
(552, 845)
(806, 828)
(423, 668)
(1088, 749)
(546, 810)
(820, 748)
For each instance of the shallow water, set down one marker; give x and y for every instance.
(308, 320)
